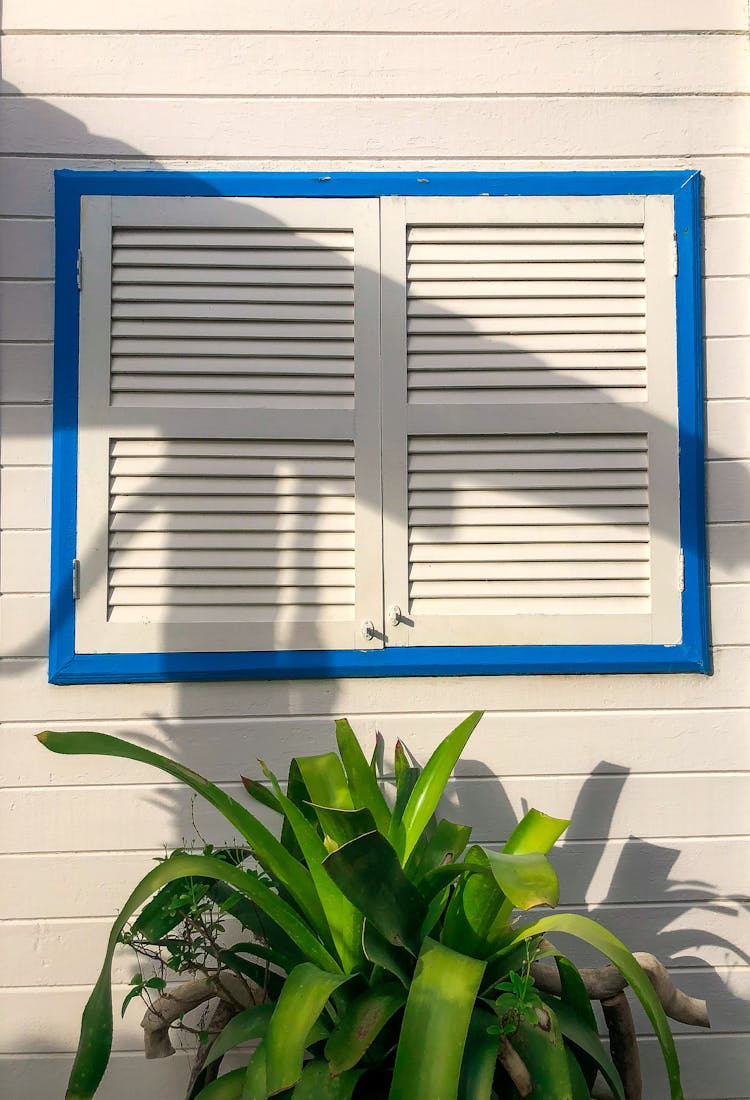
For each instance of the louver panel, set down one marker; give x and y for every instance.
(234, 316)
(287, 507)
(508, 312)
(527, 524)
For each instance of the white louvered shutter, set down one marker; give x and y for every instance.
(530, 452)
(229, 436)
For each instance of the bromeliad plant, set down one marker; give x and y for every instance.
(386, 949)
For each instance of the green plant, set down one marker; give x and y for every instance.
(388, 952)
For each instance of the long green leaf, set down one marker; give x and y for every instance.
(535, 832)
(480, 1057)
(95, 1042)
(163, 913)
(325, 780)
(364, 788)
(368, 872)
(260, 793)
(361, 1024)
(579, 1086)
(526, 879)
(473, 909)
(587, 1040)
(316, 1083)
(341, 826)
(590, 932)
(302, 1000)
(342, 922)
(444, 847)
(436, 1022)
(251, 1023)
(394, 960)
(430, 785)
(541, 1047)
(574, 996)
(226, 1087)
(269, 852)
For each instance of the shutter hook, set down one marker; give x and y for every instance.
(368, 630)
(394, 614)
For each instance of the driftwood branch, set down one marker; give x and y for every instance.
(515, 1067)
(606, 982)
(623, 1044)
(170, 1007)
(220, 1017)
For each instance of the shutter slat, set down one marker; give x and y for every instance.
(460, 500)
(223, 329)
(481, 555)
(221, 576)
(247, 541)
(568, 234)
(258, 597)
(528, 251)
(245, 365)
(545, 607)
(303, 558)
(195, 311)
(291, 455)
(518, 269)
(532, 588)
(464, 572)
(232, 503)
(522, 284)
(256, 279)
(301, 259)
(526, 534)
(503, 359)
(550, 306)
(480, 344)
(510, 326)
(537, 480)
(217, 294)
(230, 237)
(319, 349)
(302, 490)
(226, 465)
(232, 383)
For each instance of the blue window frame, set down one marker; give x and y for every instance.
(66, 666)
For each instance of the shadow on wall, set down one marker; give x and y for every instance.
(640, 866)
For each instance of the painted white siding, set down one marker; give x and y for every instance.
(656, 767)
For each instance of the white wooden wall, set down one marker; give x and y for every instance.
(655, 766)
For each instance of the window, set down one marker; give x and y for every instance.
(376, 425)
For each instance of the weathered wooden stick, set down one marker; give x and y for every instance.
(220, 1017)
(623, 1044)
(515, 1067)
(607, 981)
(184, 998)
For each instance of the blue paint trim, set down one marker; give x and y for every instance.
(107, 668)
(692, 655)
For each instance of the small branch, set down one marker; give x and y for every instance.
(623, 1044)
(515, 1067)
(607, 982)
(166, 1010)
(220, 1017)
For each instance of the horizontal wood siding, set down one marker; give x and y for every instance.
(654, 770)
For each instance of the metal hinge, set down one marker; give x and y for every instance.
(675, 260)
(681, 571)
(76, 579)
(79, 269)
